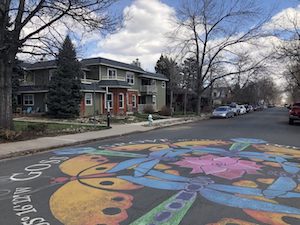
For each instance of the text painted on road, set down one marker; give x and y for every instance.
(36, 170)
(24, 209)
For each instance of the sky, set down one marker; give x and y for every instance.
(143, 36)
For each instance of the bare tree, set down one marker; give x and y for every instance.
(213, 32)
(29, 26)
(167, 66)
(288, 53)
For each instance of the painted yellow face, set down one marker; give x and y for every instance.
(90, 197)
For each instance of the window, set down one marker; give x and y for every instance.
(28, 100)
(51, 73)
(154, 100)
(28, 78)
(88, 99)
(111, 74)
(83, 75)
(163, 84)
(153, 82)
(121, 100)
(130, 78)
(109, 100)
(134, 101)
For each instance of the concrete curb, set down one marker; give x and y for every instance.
(155, 127)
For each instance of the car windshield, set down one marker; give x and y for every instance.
(221, 109)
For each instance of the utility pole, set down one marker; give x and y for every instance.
(94, 103)
(108, 110)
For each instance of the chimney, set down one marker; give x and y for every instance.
(136, 63)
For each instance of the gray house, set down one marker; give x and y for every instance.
(106, 84)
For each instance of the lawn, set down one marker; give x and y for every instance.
(29, 130)
(38, 126)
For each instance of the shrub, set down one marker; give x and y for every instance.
(148, 108)
(165, 111)
(37, 127)
(9, 135)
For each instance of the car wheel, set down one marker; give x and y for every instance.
(291, 121)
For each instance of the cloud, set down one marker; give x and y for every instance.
(143, 35)
(285, 20)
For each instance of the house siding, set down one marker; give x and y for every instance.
(121, 74)
(88, 110)
(93, 73)
(39, 102)
(41, 77)
(160, 95)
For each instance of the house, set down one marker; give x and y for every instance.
(221, 96)
(106, 85)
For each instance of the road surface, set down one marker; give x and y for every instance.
(243, 170)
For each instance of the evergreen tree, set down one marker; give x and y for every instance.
(64, 88)
(171, 70)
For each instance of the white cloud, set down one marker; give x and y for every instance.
(143, 34)
(285, 20)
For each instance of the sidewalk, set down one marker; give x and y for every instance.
(45, 143)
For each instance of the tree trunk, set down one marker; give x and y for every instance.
(171, 102)
(199, 104)
(6, 94)
(185, 102)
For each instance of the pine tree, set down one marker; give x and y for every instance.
(64, 88)
(170, 69)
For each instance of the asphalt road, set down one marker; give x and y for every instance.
(244, 170)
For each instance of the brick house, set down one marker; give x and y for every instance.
(124, 88)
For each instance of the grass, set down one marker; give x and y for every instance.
(31, 126)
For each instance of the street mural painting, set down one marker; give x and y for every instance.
(102, 184)
(161, 182)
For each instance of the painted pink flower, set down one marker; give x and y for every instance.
(225, 167)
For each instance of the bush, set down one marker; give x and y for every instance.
(165, 111)
(37, 127)
(148, 109)
(9, 135)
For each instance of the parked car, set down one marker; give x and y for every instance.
(249, 108)
(243, 109)
(294, 113)
(235, 108)
(223, 112)
(258, 108)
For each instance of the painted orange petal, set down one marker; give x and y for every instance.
(202, 143)
(139, 147)
(271, 218)
(75, 165)
(77, 204)
(227, 221)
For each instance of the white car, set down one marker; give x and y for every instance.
(243, 109)
(235, 108)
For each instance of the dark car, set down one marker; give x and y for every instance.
(294, 113)
(249, 108)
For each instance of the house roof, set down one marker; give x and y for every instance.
(98, 61)
(113, 63)
(157, 76)
(32, 89)
(40, 65)
(114, 83)
(91, 87)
